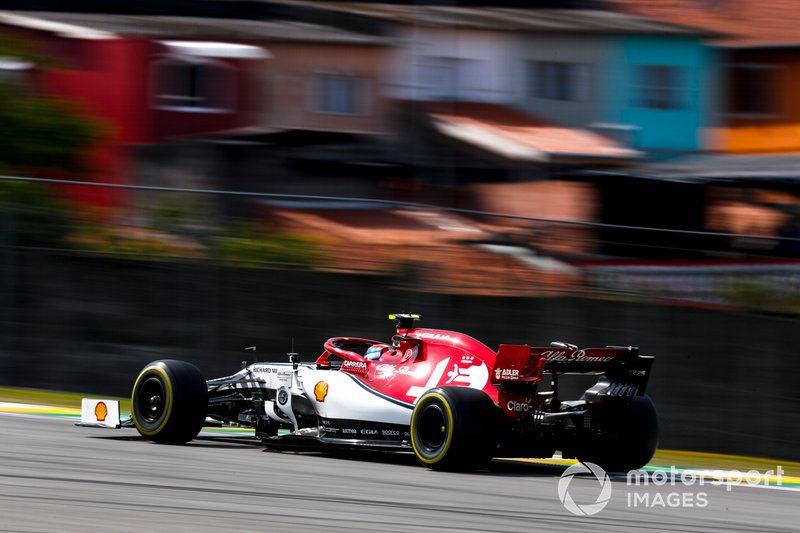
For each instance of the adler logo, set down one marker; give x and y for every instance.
(506, 373)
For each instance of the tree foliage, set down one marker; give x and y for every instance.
(41, 132)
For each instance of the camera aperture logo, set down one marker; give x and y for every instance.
(584, 509)
(660, 488)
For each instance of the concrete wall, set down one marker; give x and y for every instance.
(723, 382)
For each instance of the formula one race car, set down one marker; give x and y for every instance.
(444, 395)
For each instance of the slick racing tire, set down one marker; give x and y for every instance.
(169, 402)
(454, 428)
(629, 439)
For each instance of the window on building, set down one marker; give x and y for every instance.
(660, 87)
(439, 76)
(14, 71)
(751, 89)
(450, 77)
(194, 85)
(340, 95)
(554, 80)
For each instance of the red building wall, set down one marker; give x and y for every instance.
(112, 80)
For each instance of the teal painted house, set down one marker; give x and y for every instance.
(662, 86)
(653, 91)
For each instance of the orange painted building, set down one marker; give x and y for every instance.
(763, 112)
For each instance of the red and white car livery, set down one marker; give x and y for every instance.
(442, 394)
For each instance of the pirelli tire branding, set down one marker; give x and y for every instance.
(336, 428)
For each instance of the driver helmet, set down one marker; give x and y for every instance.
(375, 351)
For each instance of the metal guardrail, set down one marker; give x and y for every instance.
(716, 284)
(395, 203)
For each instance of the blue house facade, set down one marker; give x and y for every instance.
(652, 91)
(663, 87)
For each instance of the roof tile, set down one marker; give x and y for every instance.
(501, 124)
(745, 22)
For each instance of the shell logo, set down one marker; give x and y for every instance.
(320, 391)
(101, 411)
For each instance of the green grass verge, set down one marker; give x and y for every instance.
(55, 399)
(714, 461)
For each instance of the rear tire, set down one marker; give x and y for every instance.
(630, 438)
(454, 428)
(169, 401)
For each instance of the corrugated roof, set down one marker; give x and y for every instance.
(516, 135)
(95, 25)
(711, 168)
(745, 22)
(503, 19)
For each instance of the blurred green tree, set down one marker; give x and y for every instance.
(39, 134)
(39, 131)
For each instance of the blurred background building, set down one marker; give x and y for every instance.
(184, 179)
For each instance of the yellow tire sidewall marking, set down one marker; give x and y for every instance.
(450, 425)
(170, 396)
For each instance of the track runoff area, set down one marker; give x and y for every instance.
(674, 469)
(699, 468)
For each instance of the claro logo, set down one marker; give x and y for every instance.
(518, 407)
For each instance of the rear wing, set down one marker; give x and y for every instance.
(624, 367)
(569, 359)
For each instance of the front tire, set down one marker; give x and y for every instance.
(454, 428)
(169, 401)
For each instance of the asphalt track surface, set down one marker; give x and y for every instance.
(55, 477)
